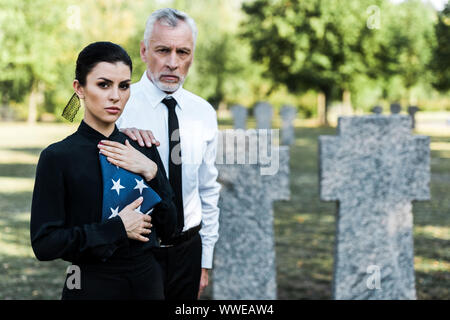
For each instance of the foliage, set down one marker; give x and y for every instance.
(28, 53)
(331, 46)
(282, 51)
(441, 57)
(308, 44)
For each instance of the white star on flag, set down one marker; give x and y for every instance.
(138, 209)
(140, 185)
(117, 186)
(115, 212)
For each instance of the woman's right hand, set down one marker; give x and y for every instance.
(128, 158)
(136, 224)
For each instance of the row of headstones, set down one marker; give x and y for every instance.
(264, 113)
(374, 167)
(396, 108)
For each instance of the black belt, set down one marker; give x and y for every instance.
(182, 237)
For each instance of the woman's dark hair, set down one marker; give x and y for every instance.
(97, 52)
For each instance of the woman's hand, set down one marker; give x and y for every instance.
(127, 157)
(136, 224)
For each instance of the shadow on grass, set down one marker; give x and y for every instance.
(17, 202)
(27, 278)
(432, 248)
(439, 139)
(433, 285)
(17, 170)
(30, 151)
(16, 233)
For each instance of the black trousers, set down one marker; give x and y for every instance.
(181, 265)
(130, 279)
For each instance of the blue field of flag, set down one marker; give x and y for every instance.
(122, 187)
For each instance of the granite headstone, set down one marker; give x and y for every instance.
(412, 110)
(244, 256)
(288, 114)
(375, 168)
(263, 112)
(239, 116)
(377, 110)
(395, 108)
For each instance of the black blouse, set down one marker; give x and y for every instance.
(66, 209)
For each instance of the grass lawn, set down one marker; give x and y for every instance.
(304, 226)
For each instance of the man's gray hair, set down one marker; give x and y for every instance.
(168, 17)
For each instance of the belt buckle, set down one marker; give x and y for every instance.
(165, 245)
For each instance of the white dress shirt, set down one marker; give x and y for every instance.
(198, 134)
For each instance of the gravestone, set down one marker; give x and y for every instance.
(396, 108)
(412, 110)
(374, 167)
(244, 256)
(263, 113)
(377, 110)
(288, 114)
(239, 117)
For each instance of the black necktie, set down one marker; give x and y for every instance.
(175, 160)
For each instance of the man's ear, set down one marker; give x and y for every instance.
(79, 90)
(143, 51)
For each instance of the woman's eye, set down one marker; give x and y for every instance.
(103, 85)
(124, 86)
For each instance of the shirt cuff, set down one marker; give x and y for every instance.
(207, 257)
(115, 229)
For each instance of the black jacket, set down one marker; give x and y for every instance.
(66, 209)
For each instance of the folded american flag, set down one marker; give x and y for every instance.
(122, 187)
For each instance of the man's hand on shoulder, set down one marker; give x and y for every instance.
(143, 137)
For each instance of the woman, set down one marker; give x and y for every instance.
(114, 254)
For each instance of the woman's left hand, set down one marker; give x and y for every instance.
(127, 157)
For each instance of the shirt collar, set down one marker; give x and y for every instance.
(87, 131)
(156, 95)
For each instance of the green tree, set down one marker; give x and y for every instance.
(405, 47)
(28, 53)
(309, 44)
(41, 39)
(441, 55)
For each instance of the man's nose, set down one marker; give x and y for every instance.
(172, 61)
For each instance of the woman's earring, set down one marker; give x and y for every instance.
(71, 108)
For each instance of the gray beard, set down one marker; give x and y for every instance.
(166, 87)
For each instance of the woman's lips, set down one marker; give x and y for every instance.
(113, 110)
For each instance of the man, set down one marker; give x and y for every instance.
(181, 120)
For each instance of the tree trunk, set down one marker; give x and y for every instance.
(222, 109)
(327, 92)
(36, 97)
(321, 108)
(4, 107)
(412, 100)
(347, 102)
